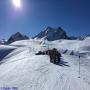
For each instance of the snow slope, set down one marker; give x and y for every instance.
(78, 46)
(26, 71)
(5, 50)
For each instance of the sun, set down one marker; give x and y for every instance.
(17, 3)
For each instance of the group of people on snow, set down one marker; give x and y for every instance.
(54, 55)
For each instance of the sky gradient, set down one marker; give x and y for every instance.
(35, 15)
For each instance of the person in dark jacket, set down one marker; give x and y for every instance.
(58, 57)
(54, 56)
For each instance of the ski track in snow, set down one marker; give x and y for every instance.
(29, 72)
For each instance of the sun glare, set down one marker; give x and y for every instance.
(17, 3)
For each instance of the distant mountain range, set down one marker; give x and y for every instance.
(52, 34)
(49, 34)
(3, 41)
(15, 37)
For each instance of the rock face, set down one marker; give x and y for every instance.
(72, 38)
(17, 36)
(52, 34)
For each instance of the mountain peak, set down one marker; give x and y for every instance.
(18, 33)
(52, 34)
(49, 28)
(17, 36)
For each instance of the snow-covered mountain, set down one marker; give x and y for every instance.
(5, 50)
(23, 70)
(3, 41)
(52, 34)
(83, 37)
(17, 36)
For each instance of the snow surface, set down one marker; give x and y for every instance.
(23, 69)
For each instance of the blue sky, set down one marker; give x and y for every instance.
(35, 15)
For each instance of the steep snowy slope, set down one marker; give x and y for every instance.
(5, 50)
(26, 71)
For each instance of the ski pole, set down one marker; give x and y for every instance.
(79, 66)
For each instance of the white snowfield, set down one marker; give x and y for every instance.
(26, 71)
